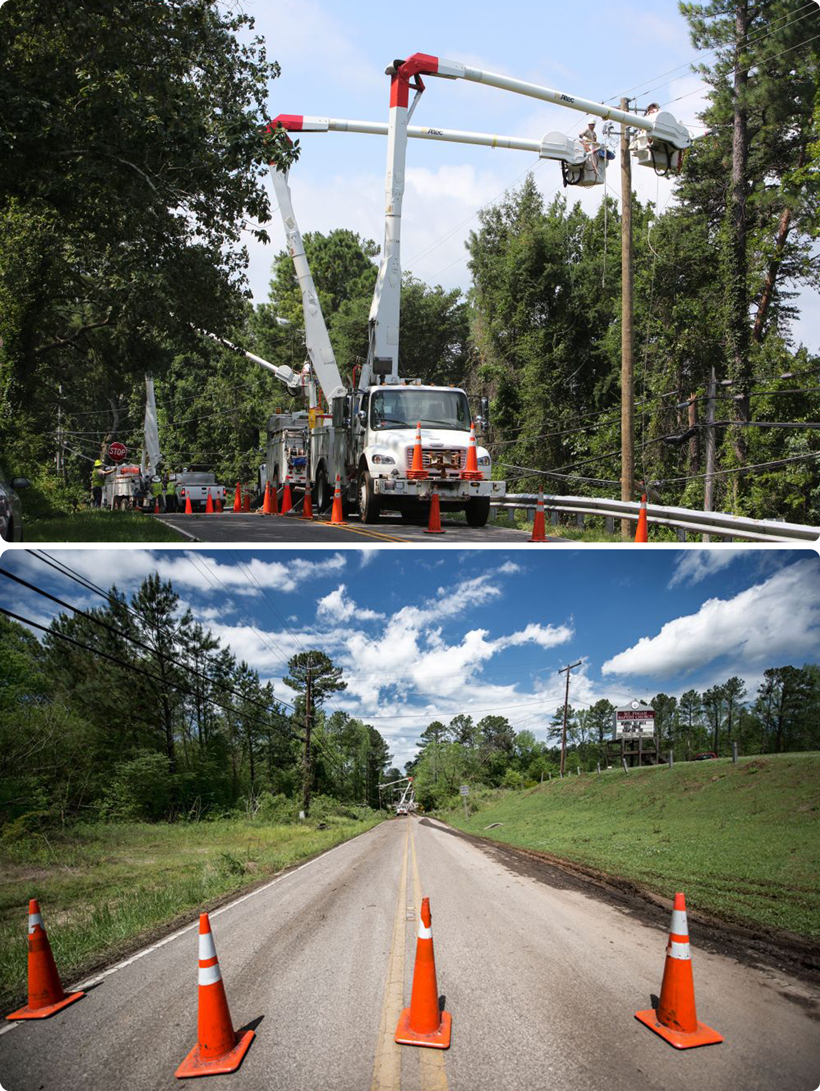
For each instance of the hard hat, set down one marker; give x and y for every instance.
(98, 462)
(155, 477)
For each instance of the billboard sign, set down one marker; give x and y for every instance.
(634, 720)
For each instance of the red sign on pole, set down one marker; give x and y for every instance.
(117, 451)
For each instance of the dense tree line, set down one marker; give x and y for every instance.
(122, 198)
(134, 709)
(783, 714)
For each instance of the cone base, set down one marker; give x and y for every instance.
(43, 1013)
(194, 1065)
(703, 1036)
(418, 475)
(470, 475)
(544, 539)
(428, 531)
(438, 1039)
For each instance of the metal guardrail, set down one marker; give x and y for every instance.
(684, 520)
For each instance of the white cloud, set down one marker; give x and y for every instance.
(545, 636)
(695, 565)
(510, 568)
(765, 623)
(338, 606)
(194, 570)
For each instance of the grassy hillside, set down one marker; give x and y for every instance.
(742, 841)
(105, 888)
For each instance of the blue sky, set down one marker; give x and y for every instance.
(424, 635)
(333, 57)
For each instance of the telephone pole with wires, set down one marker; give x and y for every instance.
(307, 772)
(566, 670)
(627, 394)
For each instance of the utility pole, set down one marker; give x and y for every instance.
(306, 767)
(567, 671)
(627, 396)
(709, 482)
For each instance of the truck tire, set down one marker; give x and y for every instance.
(478, 511)
(369, 507)
(321, 491)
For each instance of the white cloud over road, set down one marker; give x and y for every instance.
(696, 565)
(772, 620)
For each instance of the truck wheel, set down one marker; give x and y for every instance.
(478, 511)
(369, 506)
(321, 491)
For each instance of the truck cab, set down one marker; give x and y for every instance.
(387, 418)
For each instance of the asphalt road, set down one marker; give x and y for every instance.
(542, 976)
(292, 530)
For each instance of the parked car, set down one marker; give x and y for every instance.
(11, 510)
(401, 811)
(704, 757)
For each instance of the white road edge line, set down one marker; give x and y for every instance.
(89, 981)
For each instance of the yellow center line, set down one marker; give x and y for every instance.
(431, 1061)
(387, 1065)
(378, 535)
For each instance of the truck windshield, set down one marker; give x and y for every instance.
(405, 406)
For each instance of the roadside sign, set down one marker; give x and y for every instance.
(117, 451)
(464, 789)
(633, 720)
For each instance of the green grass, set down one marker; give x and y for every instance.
(103, 886)
(742, 841)
(97, 526)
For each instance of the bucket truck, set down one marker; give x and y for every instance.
(376, 464)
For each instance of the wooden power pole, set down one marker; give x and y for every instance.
(566, 670)
(627, 397)
(306, 765)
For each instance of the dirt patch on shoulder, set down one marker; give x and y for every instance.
(757, 947)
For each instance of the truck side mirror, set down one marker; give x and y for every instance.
(485, 411)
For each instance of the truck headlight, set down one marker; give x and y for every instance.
(484, 460)
(383, 460)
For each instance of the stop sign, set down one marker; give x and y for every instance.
(117, 451)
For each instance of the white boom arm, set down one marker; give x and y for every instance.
(317, 339)
(661, 126)
(291, 378)
(150, 428)
(554, 145)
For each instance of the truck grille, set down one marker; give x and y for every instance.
(452, 459)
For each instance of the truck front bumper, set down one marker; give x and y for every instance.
(449, 489)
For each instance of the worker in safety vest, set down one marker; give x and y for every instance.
(156, 491)
(98, 476)
(170, 493)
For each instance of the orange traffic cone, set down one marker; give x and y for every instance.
(424, 1023)
(471, 471)
(539, 532)
(287, 502)
(307, 503)
(219, 505)
(267, 505)
(237, 499)
(188, 509)
(156, 505)
(641, 534)
(675, 1018)
(337, 514)
(434, 523)
(246, 504)
(45, 990)
(219, 1049)
(209, 504)
(417, 471)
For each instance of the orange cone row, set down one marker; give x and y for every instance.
(220, 1049)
